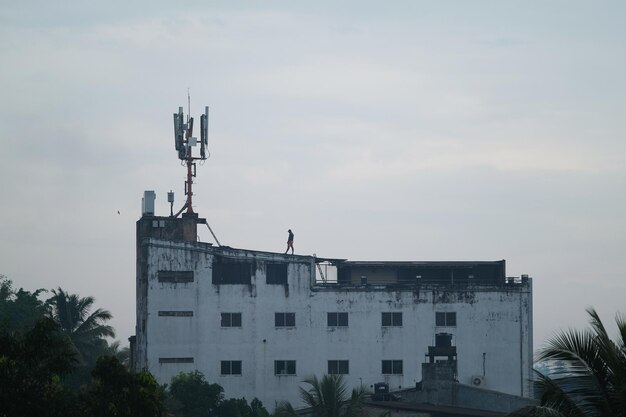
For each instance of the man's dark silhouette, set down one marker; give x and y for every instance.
(289, 241)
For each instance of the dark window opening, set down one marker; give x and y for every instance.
(445, 319)
(276, 274)
(284, 367)
(175, 276)
(337, 319)
(392, 367)
(231, 367)
(392, 319)
(231, 272)
(176, 313)
(231, 320)
(285, 319)
(175, 360)
(338, 367)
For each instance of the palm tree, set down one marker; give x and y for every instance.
(121, 353)
(596, 381)
(86, 330)
(327, 397)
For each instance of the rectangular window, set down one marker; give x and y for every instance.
(392, 367)
(276, 274)
(337, 319)
(285, 319)
(231, 319)
(231, 272)
(445, 319)
(175, 360)
(284, 367)
(177, 313)
(392, 319)
(231, 367)
(338, 368)
(175, 276)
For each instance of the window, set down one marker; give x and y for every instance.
(338, 367)
(231, 319)
(175, 360)
(276, 274)
(176, 313)
(175, 276)
(225, 272)
(285, 319)
(445, 319)
(337, 319)
(231, 368)
(392, 367)
(284, 367)
(392, 319)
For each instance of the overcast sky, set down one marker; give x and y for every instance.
(402, 130)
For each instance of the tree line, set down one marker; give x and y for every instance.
(56, 360)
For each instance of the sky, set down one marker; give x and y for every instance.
(405, 130)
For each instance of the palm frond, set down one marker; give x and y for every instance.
(285, 409)
(355, 404)
(87, 330)
(620, 320)
(595, 381)
(328, 397)
(571, 400)
(537, 411)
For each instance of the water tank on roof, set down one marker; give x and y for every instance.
(443, 340)
(381, 391)
(147, 203)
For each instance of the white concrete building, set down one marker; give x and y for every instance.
(258, 323)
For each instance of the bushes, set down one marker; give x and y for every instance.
(190, 395)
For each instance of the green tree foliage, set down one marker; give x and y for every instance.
(596, 385)
(234, 408)
(40, 348)
(31, 366)
(192, 396)
(85, 328)
(327, 397)
(257, 408)
(240, 408)
(19, 310)
(122, 354)
(116, 392)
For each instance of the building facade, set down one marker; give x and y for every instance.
(258, 323)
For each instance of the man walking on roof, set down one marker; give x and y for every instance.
(289, 241)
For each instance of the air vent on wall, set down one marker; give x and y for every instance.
(478, 380)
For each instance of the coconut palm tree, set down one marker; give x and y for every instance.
(121, 353)
(85, 329)
(596, 380)
(327, 397)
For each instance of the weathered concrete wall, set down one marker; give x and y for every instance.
(494, 321)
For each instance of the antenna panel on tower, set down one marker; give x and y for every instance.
(204, 122)
(179, 133)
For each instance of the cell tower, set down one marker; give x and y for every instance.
(185, 142)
